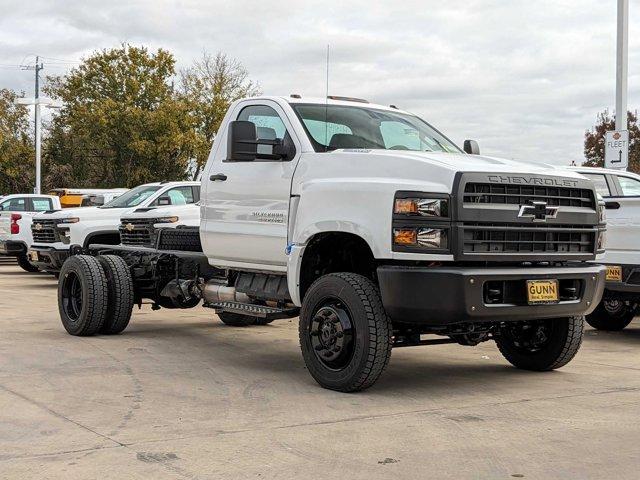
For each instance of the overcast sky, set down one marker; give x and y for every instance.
(524, 78)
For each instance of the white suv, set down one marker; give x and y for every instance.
(621, 192)
(54, 233)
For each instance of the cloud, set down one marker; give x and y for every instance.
(523, 78)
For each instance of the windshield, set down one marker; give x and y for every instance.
(133, 197)
(341, 126)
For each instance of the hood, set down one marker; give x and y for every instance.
(167, 211)
(460, 162)
(69, 212)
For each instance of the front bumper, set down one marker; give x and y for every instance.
(11, 248)
(441, 296)
(630, 280)
(47, 259)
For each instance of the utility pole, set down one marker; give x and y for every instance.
(37, 120)
(39, 66)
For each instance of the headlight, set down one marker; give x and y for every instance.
(426, 207)
(425, 237)
(166, 220)
(69, 220)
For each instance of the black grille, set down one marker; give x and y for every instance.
(137, 232)
(522, 194)
(44, 231)
(503, 238)
(181, 238)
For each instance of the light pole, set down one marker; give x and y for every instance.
(37, 102)
(622, 64)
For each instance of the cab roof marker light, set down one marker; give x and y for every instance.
(347, 99)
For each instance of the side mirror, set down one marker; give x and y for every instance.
(242, 143)
(162, 201)
(471, 147)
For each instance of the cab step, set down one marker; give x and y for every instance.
(262, 311)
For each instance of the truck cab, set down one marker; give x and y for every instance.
(621, 300)
(16, 214)
(378, 232)
(55, 232)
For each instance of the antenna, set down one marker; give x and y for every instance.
(326, 107)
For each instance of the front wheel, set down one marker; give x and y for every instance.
(26, 265)
(612, 315)
(345, 333)
(541, 345)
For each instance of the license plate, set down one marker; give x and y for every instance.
(542, 291)
(33, 255)
(614, 273)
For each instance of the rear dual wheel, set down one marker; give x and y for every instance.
(95, 295)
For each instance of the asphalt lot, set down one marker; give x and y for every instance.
(180, 395)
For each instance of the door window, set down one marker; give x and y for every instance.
(177, 196)
(269, 125)
(41, 204)
(14, 205)
(630, 186)
(600, 182)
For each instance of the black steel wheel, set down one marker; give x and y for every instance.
(345, 333)
(541, 345)
(612, 314)
(82, 295)
(332, 334)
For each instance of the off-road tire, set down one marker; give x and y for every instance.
(564, 340)
(25, 264)
(601, 319)
(371, 343)
(237, 319)
(120, 294)
(87, 274)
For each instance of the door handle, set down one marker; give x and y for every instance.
(612, 205)
(221, 177)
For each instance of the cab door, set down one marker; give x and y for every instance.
(623, 221)
(246, 203)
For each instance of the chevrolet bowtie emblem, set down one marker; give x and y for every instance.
(537, 211)
(129, 226)
(38, 226)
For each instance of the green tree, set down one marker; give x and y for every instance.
(17, 155)
(209, 86)
(122, 124)
(594, 140)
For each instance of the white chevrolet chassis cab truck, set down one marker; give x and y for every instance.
(621, 300)
(56, 234)
(373, 228)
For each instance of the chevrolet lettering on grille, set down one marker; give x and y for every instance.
(537, 211)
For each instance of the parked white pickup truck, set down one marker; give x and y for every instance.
(55, 232)
(16, 214)
(621, 299)
(140, 227)
(373, 228)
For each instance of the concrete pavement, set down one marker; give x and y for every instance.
(180, 395)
